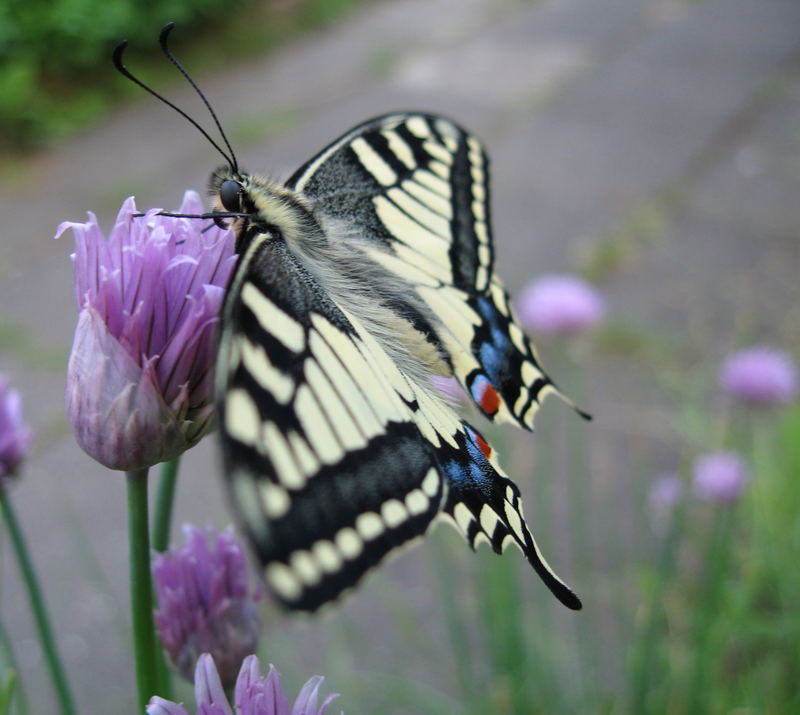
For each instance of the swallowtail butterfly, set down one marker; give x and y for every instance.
(365, 274)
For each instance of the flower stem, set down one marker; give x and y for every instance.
(707, 614)
(144, 634)
(165, 496)
(38, 607)
(10, 664)
(162, 521)
(646, 650)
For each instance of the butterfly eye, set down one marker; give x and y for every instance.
(229, 195)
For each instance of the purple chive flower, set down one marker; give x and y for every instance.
(560, 305)
(761, 375)
(204, 602)
(139, 381)
(15, 438)
(254, 694)
(719, 476)
(665, 492)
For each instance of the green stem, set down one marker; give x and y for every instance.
(646, 650)
(454, 618)
(165, 496)
(144, 634)
(707, 615)
(162, 521)
(11, 664)
(38, 607)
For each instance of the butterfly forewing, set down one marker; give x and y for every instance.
(417, 186)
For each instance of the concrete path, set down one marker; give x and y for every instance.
(654, 143)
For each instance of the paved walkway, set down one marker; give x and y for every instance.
(655, 143)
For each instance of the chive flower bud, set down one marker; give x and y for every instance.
(140, 376)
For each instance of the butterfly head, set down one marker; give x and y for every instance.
(260, 206)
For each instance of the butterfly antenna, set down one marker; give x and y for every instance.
(162, 38)
(123, 70)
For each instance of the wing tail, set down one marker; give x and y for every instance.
(485, 506)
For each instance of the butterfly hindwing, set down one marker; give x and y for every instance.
(417, 186)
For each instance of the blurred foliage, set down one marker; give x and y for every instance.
(55, 55)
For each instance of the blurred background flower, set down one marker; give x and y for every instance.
(254, 694)
(761, 375)
(139, 381)
(666, 491)
(560, 305)
(205, 604)
(719, 476)
(15, 438)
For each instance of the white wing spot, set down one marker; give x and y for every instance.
(429, 198)
(484, 254)
(283, 581)
(529, 373)
(434, 183)
(349, 542)
(306, 459)
(480, 538)
(463, 517)
(489, 519)
(439, 168)
(349, 435)
(274, 320)
(373, 162)
(316, 428)
(327, 555)
(418, 127)
(438, 152)
(434, 222)
(280, 454)
(344, 382)
(514, 521)
(242, 419)
(275, 500)
(509, 540)
(398, 146)
(394, 513)
(303, 565)
(416, 502)
(257, 363)
(481, 231)
(521, 401)
(430, 485)
(369, 525)
(446, 129)
(518, 338)
(499, 299)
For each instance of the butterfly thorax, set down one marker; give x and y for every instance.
(335, 254)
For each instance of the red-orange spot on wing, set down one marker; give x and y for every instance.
(490, 400)
(483, 445)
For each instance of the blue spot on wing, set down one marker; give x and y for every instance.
(493, 353)
(470, 472)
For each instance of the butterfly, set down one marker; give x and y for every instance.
(367, 273)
